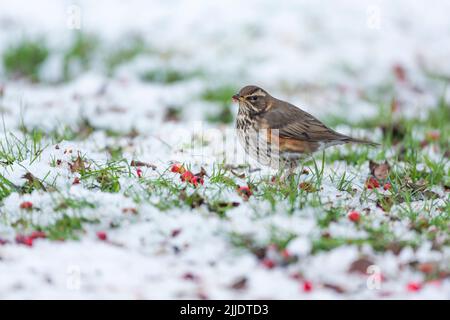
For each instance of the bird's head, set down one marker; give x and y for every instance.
(253, 99)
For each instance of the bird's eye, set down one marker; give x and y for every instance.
(252, 98)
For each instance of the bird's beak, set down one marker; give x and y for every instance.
(236, 97)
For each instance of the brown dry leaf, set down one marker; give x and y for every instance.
(334, 287)
(132, 134)
(447, 153)
(202, 173)
(195, 200)
(379, 171)
(395, 247)
(240, 284)
(129, 210)
(33, 181)
(172, 114)
(399, 72)
(78, 165)
(137, 163)
(224, 204)
(420, 185)
(259, 252)
(238, 175)
(307, 186)
(117, 109)
(385, 203)
(360, 266)
(428, 267)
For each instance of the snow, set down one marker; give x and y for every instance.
(321, 57)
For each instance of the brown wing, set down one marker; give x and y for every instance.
(298, 124)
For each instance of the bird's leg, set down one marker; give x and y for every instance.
(290, 168)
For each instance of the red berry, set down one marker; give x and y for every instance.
(101, 235)
(76, 180)
(245, 189)
(28, 241)
(387, 186)
(245, 192)
(414, 286)
(268, 263)
(26, 205)
(196, 180)
(354, 216)
(38, 235)
(139, 172)
(177, 168)
(285, 254)
(187, 176)
(307, 286)
(372, 183)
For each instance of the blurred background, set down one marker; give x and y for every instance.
(182, 60)
(95, 101)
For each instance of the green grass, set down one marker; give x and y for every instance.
(25, 58)
(19, 148)
(6, 187)
(127, 51)
(79, 56)
(414, 175)
(66, 228)
(222, 97)
(104, 177)
(71, 203)
(167, 75)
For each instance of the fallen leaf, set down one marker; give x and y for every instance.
(385, 203)
(238, 175)
(78, 165)
(399, 72)
(129, 210)
(427, 267)
(334, 287)
(202, 173)
(360, 266)
(395, 247)
(172, 114)
(33, 181)
(307, 186)
(240, 284)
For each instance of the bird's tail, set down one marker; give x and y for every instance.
(361, 141)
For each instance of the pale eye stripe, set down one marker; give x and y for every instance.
(257, 93)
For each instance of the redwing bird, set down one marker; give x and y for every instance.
(277, 133)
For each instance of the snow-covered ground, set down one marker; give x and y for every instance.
(329, 57)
